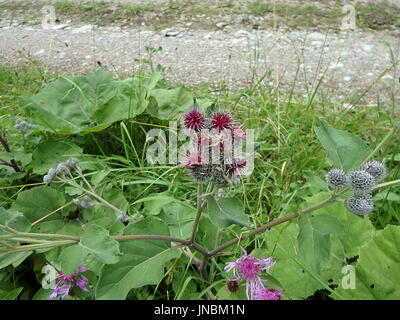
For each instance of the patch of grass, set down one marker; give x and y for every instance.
(378, 16)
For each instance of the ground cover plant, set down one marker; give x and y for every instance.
(87, 214)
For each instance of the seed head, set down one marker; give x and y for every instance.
(52, 172)
(22, 126)
(360, 203)
(202, 173)
(336, 178)
(47, 179)
(85, 202)
(61, 168)
(361, 181)
(375, 168)
(123, 217)
(72, 163)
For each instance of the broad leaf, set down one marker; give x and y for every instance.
(142, 262)
(224, 212)
(71, 258)
(314, 239)
(38, 202)
(167, 104)
(97, 241)
(179, 219)
(344, 149)
(89, 103)
(50, 153)
(10, 295)
(377, 268)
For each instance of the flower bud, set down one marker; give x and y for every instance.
(336, 178)
(47, 178)
(361, 181)
(360, 203)
(376, 169)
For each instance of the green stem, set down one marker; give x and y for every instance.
(271, 224)
(200, 207)
(30, 247)
(387, 184)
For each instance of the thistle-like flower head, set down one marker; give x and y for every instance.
(360, 203)
(268, 294)
(194, 120)
(221, 121)
(67, 282)
(361, 181)
(248, 268)
(375, 168)
(236, 168)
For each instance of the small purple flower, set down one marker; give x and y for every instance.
(249, 268)
(67, 282)
(60, 290)
(268, 294)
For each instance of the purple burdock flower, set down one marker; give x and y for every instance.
(268, 294)
(67, 282)
(249, 268)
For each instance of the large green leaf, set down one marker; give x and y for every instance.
(167, 104)
(104, 216)
(314, 238)
(37, 202)
(377, 269)
(344, 149)
(71, 258)
(179, 219)
(295, 272)
(356, 230)
(16, 221)
(89, 103)
(10, 295)
(224, 212)
(97, 241)
(50, 153)
(142, 262)
(297, 279)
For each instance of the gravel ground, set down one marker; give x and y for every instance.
(349, 61)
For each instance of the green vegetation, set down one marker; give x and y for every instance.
(378, 16)
(104, 121)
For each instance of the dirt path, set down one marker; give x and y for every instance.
(347, 62)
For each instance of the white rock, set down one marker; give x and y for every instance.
(241, 33)
(60, 26)
(220, 25)
(83, 29)
(39, 53)
(316, 36)
(347, 78)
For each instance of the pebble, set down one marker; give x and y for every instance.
(83, 29)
